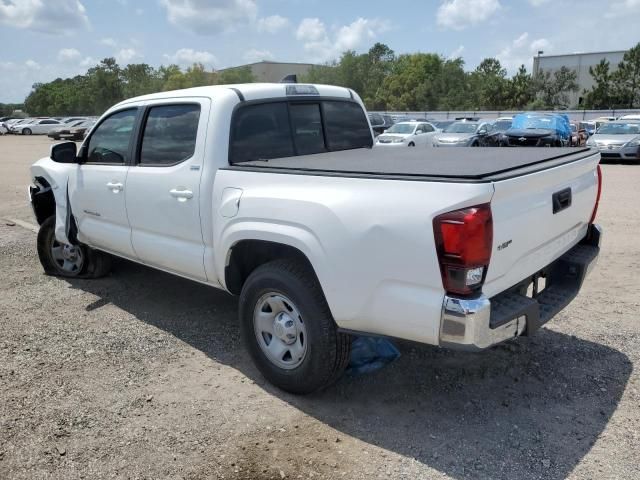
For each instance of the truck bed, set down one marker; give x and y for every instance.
(457, 164)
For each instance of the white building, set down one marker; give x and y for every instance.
(580, 62)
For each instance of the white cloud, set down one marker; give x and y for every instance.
(185, 57)
(126, 55)
(323, 45)
(59, 17)
(311, 30)
(108, 41)
(68, 55)
(255, 55)
(623, 8)
(456, 53)
(521, 51)
(88, 62)
(460, 14)
(32, 65)
(272, 24)
(208, 17)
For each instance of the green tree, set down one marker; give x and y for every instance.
(490, 85)
(553, 90)
(626, 80)
(600, 95)
(520, 89)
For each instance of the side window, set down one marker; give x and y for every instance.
(428, 127)
(170, 134)
(307, 128)
(48, 122)
(109, 143)
(346, 125)
(261, 132)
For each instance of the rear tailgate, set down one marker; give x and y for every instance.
(527, 234)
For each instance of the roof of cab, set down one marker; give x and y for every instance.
(250, 91)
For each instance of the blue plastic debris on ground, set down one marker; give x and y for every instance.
(369, 354)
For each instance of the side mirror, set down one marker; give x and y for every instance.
(65, 152)
(482, 131)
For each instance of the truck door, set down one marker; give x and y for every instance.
(163, 186)
(97, 186)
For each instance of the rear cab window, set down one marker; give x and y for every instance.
(277, 129)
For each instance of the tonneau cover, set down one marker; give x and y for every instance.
(465, 164)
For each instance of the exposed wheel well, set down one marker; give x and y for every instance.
(247, 255)
(44, 202)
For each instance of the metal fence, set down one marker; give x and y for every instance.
(573, 114)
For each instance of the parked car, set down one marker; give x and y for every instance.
(579, 136)
(407, 134)
(36, 127)
(496, 136)
(74, 131)
(619, 140)
(539, 130)
(69, 120)
(462, 134)
(296, 224)
(380, 122)
(632, 116)
(442, 124)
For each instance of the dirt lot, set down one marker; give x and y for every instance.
(143, 375)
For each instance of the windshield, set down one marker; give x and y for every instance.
(402, 128)
(619, 129)
(502, 125)
(461, 127)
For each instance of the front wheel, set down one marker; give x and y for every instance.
(412, 144)
(288, 328)
(26, 131)
(63, 260)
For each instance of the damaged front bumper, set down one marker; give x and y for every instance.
(478, 323)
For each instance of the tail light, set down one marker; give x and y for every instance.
(464, 240)
(595, 207)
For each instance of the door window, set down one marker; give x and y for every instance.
(170, 134)
(109, 142)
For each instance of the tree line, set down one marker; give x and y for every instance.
(107, 84)
(384, 80)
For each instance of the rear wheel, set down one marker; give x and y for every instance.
(288, 328)
(64, 260)
(412, 144)
(26, 131)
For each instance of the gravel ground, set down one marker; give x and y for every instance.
(143, 375)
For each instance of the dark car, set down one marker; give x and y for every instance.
(579, 136)
(380, 122)
(76, 131)
(496, 136)
(539, 130)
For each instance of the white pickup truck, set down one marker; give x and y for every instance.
(272, 192)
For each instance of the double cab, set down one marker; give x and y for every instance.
(273, 193)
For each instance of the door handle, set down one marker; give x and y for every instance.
(115, 187)
(181, 195)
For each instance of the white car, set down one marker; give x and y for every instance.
(272, 192)
(37, 127)
(407, 134)
(633, 116)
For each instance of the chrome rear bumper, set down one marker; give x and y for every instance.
(478, 323)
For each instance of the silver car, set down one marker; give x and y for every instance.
(462, 134)
(618, 140)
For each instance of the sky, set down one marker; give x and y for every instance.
(41, 40)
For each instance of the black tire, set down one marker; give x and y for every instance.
(95, 264)
(26, 131)
(328, 350)
(412, 144)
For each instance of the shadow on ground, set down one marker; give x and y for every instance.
(528, 409)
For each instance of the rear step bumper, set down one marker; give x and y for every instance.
(478, 323)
